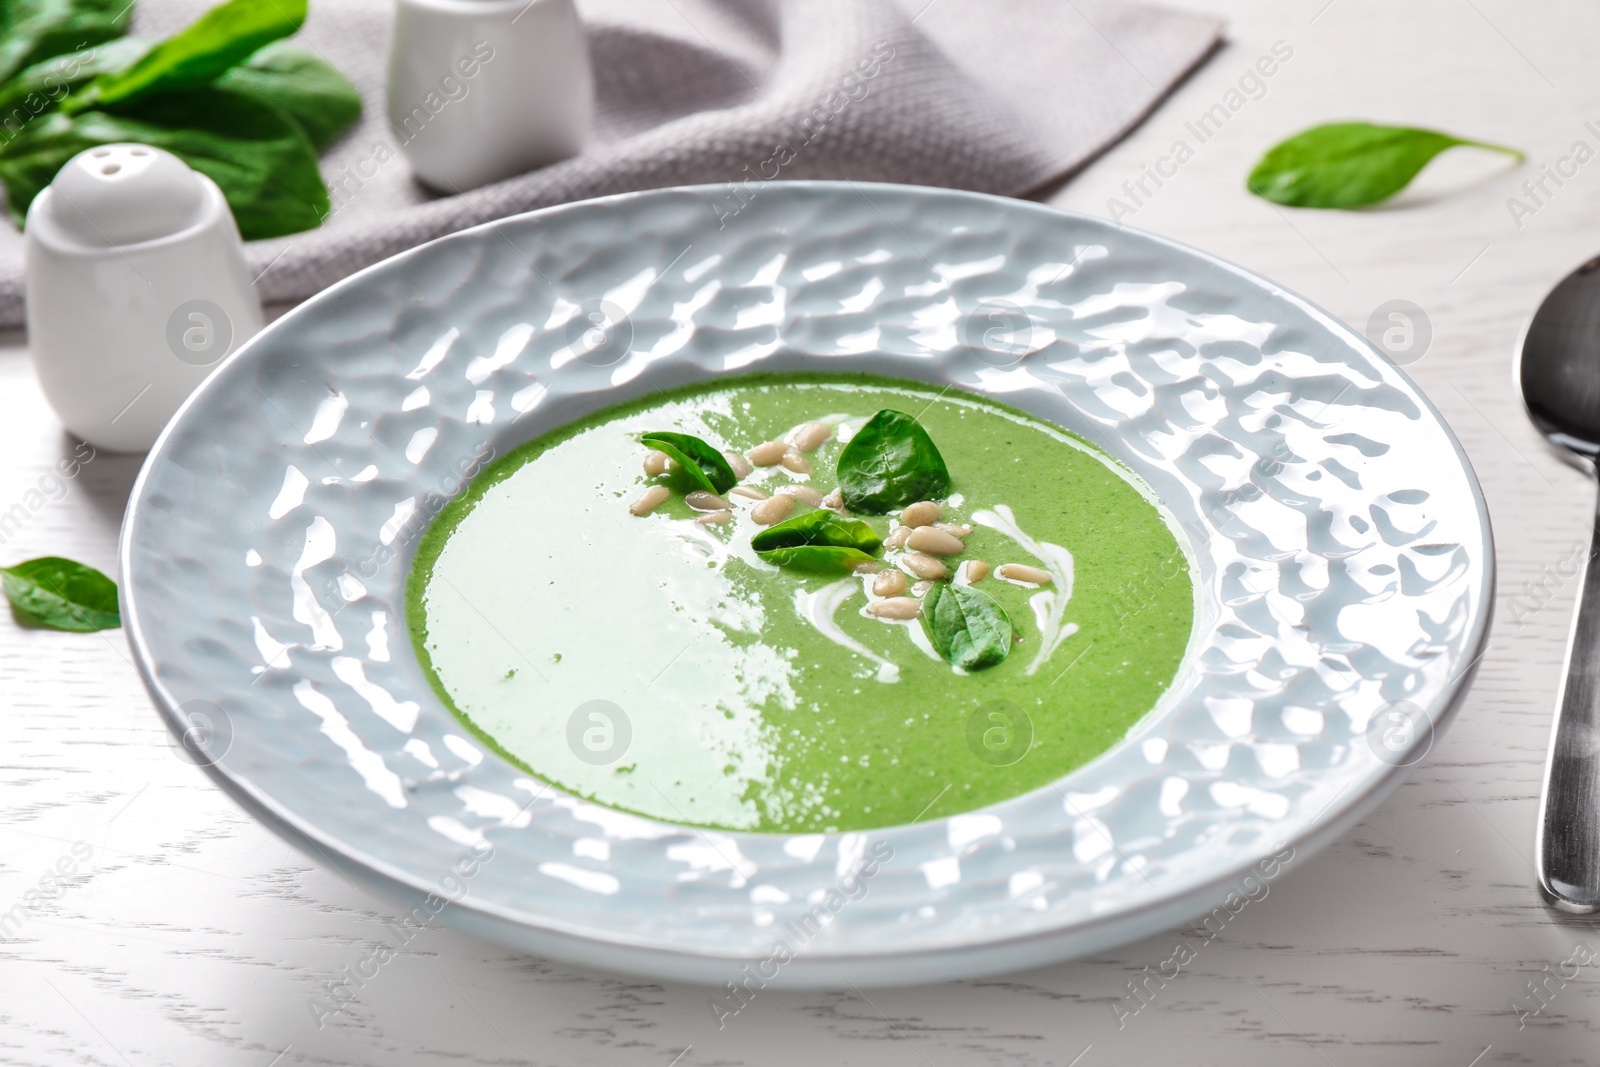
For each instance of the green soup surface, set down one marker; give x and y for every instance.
(656, 664)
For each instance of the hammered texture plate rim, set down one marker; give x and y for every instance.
(286, 820)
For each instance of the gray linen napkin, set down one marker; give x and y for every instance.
(999, 96)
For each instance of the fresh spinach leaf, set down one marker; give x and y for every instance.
(222, 94)
(259, 157)
(703, 464)
(889, 463)
(966, 626)
(817, 559)
(61, 594)
(308, 88)
(817, 541)
(34, 30)
(222, 38)
(1350, 164)
(819, 527)
(40, 87)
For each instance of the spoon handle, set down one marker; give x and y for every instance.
(1569, 815)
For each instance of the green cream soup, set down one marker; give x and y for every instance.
(656, 663)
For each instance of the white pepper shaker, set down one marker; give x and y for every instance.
(481, 90)
(136, 289)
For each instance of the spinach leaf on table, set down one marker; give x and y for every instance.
(40, 87)
(305, 86)
(35, 30)
(889, 463)
(966, 626)
(704, 465)
(260, 158)
(818, 541)
(61, 594)
(1351, 164)
(225, 95)
(219, 40)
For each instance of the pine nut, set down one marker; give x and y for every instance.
(809, 437)
(715, 518)
(889, 583)
(896, 607)
(749, 491)
(771, 510)
(924, 566)
(803, 493)
(794, 461)
(649, 500)
(922, 513)
(922, 587)
(1021, 572)
(897, 538)
(935, 542)
(769, 454)
(867, 566)
(741, 466)
(955, 529)
(655, 463)
(701, 500)
(972, 571)
(834, 501)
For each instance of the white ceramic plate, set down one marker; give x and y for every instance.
(1341, 544)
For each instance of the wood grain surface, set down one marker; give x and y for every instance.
(188, 934)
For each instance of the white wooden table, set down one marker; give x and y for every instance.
(190, 935)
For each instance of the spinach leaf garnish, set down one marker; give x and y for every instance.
(889, 463)
(61, 594)
(703, 464)
(966, 626)
(1351, 164)
(817, 541)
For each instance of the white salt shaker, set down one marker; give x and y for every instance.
(136, 289)
(481, 90)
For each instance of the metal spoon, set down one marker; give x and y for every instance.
(1559, 370)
